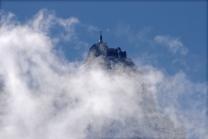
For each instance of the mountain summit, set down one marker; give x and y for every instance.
(128, 108)
(111, 56)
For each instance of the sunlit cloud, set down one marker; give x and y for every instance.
(42, 95)
(91, 28)
(174, 44)
(183, 100)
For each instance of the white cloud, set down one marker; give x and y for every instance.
(179, 98)
(44, 20)
(44, 96)
(174, 44)
(42, 99)
(136, 38)
(91, 28)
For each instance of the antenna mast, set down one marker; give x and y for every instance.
(101, 38)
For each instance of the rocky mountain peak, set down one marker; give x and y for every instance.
(147, 121)
(110, 55)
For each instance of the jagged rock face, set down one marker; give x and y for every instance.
(147, 123)
(110, 56)
(102, 49)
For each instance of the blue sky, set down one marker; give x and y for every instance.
(184, 21)
(166, 40)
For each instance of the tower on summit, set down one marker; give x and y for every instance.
(101, 38)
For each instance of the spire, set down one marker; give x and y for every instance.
(101, 39)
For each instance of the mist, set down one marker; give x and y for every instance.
(43, 95)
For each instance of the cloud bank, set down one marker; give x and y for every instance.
(42, 95)
(178, 97)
